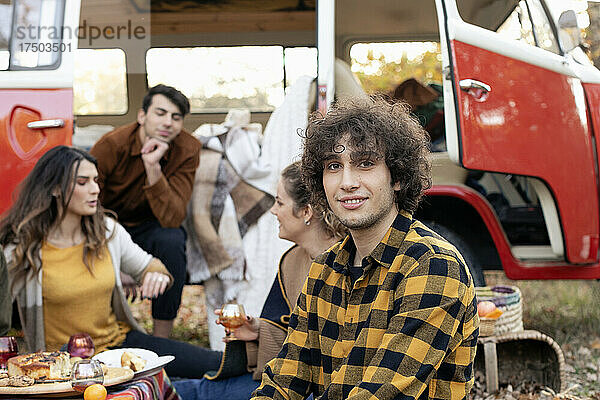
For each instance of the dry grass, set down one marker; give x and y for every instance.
(190, 324)
(569, 312)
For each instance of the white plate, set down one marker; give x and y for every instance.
(154, 363)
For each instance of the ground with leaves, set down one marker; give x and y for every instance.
(567, 311)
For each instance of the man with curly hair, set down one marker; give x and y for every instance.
(390, 311)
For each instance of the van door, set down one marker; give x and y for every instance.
(514, 105)
(37, 41)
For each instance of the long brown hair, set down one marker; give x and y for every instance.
(40, 205)
(298, 191)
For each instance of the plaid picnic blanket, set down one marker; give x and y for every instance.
(154, 387)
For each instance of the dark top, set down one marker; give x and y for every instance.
(5, 303)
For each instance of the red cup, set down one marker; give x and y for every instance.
(81, 345)
(8, 349)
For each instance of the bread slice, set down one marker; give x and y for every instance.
(41, 365)
(132, 361)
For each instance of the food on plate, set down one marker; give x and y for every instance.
(104, 368)
(95, 392)
(41, 365)
(485, 307)
(132, 361)
(3, 375)
(19, 381)
(73, 360)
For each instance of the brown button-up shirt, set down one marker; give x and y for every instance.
(123, 183)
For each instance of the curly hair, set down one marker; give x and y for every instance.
(373, 125)
(298, 191)
(41, 203)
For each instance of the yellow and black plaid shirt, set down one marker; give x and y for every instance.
(406, 329)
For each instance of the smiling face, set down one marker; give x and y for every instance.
(358, 187)
(291, 225)
(162, 121)
(84, 200)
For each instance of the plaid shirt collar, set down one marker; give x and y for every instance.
(383, 254)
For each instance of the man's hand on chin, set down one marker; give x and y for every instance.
(153, 150)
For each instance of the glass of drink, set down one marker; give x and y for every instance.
(232, 317)
(81, 345)
(86, 373)
(8, 349)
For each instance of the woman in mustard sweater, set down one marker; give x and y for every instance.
(65, 255)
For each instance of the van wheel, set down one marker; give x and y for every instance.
(464, 249)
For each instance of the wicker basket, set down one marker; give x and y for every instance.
(508, 300)
(525, 356)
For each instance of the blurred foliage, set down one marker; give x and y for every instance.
(426, 68)
(592, 33)
(191, 323)
(99, 83)
(221, 103)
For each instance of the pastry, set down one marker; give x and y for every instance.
(132, 361)
(20, 381)
(40, 365)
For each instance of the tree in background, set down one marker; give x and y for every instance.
(592, 33)
(426, 68)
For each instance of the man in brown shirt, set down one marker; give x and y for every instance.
(146, 171)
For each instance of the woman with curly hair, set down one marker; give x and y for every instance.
(313, 232)
(65, 255)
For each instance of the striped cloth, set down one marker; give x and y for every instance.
(154, 387)
(406, 329)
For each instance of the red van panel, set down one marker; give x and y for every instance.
(21, 146)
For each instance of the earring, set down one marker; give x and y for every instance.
(307, 222)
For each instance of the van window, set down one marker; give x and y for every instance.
(381, 67)
(36, 27)
(5, 24)
(99, 83)
(299, 61)
(526, 22)
(518, 25)
(543, 30)
(216, 79)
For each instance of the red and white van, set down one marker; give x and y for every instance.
(518, 185)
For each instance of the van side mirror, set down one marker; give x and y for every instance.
(568, 30)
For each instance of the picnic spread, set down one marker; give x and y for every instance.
(132, 374)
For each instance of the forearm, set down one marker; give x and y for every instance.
(289, 376)
(153, 173)
(169, 195)
(168, 207)
(275, 386)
